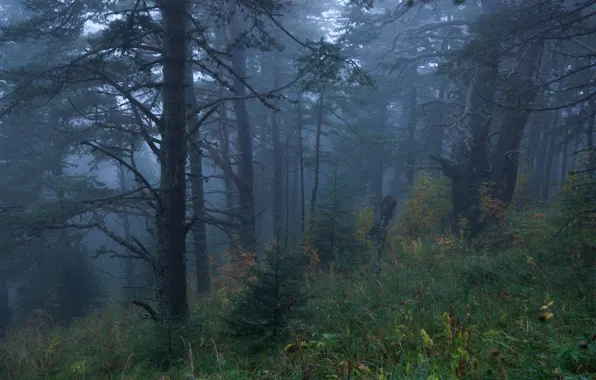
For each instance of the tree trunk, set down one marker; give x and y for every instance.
(315, 188)
(229, 185)
(412, 118)
(5, 311)
(590, 137)
(533, 148)
(277, 160)
(378, 168)
(539, 171)
(128, 264)
(171, 209)
(199, 227)
(550, 155)
(439, 128)
(247, 229)
(469, 169)
(523, 90)
(301, 166)
(564, 157)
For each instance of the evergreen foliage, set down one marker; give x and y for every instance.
(61, 282)
(333, 237)
(271, 299)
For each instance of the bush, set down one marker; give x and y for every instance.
(427, 207)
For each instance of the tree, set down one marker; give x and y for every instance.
(271, 299)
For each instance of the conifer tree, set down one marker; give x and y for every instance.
(271, 299)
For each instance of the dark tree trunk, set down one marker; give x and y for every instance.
(301, 166)
(437, 114)
(247, 231)
(533, 146)
(294, 198)
(199, 227)
(542, 154)
(590, 137)
(412, 118)
(550, 155)
(171, 208)
(577, 139)
(262, 185)
(469, 169)
(564, 157)
(521, 96)
(5, 311)
(439, 128)
(229, 185)
(277, 160)
(315, 188)
(378, 168)
(128, 264)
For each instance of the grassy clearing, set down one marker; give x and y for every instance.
(430, 316)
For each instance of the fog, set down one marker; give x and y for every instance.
(150, 152)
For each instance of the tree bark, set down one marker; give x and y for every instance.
(199, 227)
(301, 166)
(539, 171)
(412, 118)
(5, 311)
(247, 229)
(378, 169)
(170, 273)
(564, 157)
(470, 168)
(277, 160)
(550, 155)
(522, 95)
(589, 165)
(128, 264)
(315, 188)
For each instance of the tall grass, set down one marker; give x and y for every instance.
(440, 310)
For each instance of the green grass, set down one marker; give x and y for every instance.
(433, 315)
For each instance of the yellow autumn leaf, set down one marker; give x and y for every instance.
(548, 315)
(544, 307)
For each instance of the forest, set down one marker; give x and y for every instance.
(295, 189)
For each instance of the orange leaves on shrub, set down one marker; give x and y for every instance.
(238, 267)
(491, 206)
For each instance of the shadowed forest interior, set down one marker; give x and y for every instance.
(295, 189)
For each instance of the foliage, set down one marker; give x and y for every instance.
(364, 218)
(271, 299)
(61, 282)
(423, 213)
(333, 237)
(514, 314)
(576, 208)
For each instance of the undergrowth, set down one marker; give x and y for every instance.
(436, 315)
(522, 306)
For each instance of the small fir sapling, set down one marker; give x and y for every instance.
(271, 299)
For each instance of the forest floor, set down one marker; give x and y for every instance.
(438, 311)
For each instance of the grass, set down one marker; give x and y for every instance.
(439, 311)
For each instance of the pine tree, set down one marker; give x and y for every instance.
(333, 235)
(271, 299)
